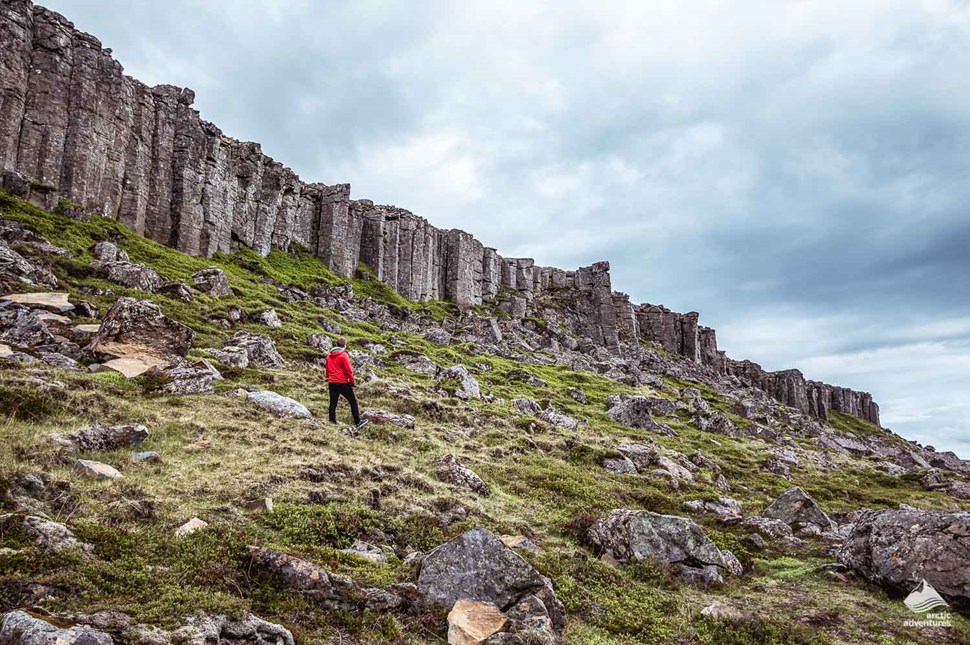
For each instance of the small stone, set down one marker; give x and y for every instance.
(95, 469)
(269, 318)
(190, 527)
(726, 612)
(471, 622)
(147, 456)
(518, 542)
(261, 505)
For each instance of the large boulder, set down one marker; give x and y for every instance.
(800, 511)
(675, 543)
(279, 405)
(20, 628)
(478, 566)
(212, 281)
(261, 350)
(896, 549)
(458, 381)
(139, 327)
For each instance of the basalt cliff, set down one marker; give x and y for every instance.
(74, 127)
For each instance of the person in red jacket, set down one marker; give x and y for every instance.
(340, 377)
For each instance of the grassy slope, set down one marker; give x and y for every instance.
(218, 452)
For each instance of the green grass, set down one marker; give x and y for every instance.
(331, 488)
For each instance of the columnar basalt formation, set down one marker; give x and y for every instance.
(73, 126)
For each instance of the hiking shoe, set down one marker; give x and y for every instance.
(361, 423)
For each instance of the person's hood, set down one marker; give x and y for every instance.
(337, 349)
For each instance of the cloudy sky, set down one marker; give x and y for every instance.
(798, 172)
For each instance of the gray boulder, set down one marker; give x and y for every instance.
(279, 405)
(637, 411)
(677, 543)
(269, 318)
(896, 549)
(20, 628)
(97, 438)
(15, 267)
(109, 252)
(212, 281)
(527, 406)
(261, 350)
(452, 471)
(383, 417)
(458, 381)
(799, 510)
(231, 356)
(417, 363)
(134, 276)
(141, 326)
(478, 566)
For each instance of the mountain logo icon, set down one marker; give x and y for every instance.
(924, 598)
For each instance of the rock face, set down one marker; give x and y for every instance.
(73, 126)
(478, 566)
(139, 326)
(896, 549)
(667, 540)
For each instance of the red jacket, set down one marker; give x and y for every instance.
(338, 366)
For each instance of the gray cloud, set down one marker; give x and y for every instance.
(797, 172)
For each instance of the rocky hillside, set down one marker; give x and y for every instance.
(74, 127)
(167, 474)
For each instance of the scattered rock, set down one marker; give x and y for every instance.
(269, 318)
(383, 417)
(231, 356)
(185, 379)
(451, 470)
(260, 349)
(177, 290)
(321, 341)
(897, 549)
(133, 276)
(438, 336)
(471, 622)
(560, 420)
(726, 612)
(459, 382)
(109, 252)
(138, 327)
(799, 510)
(53, 302)
(261, 505)
(728, 510)
(190, 527)
(212, 281)
(279, 405)
(417, 363)
(671, 542)
(367, 551)
(577, 395)
(97, 438)
(518, 542)
(132, 366)
(620, 465)
(527, 406)
(477, 566)
(16, 267)
(49, 535)
(95, 469)
(147, 456)
(20, 628)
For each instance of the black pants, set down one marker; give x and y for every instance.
(347, 391)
